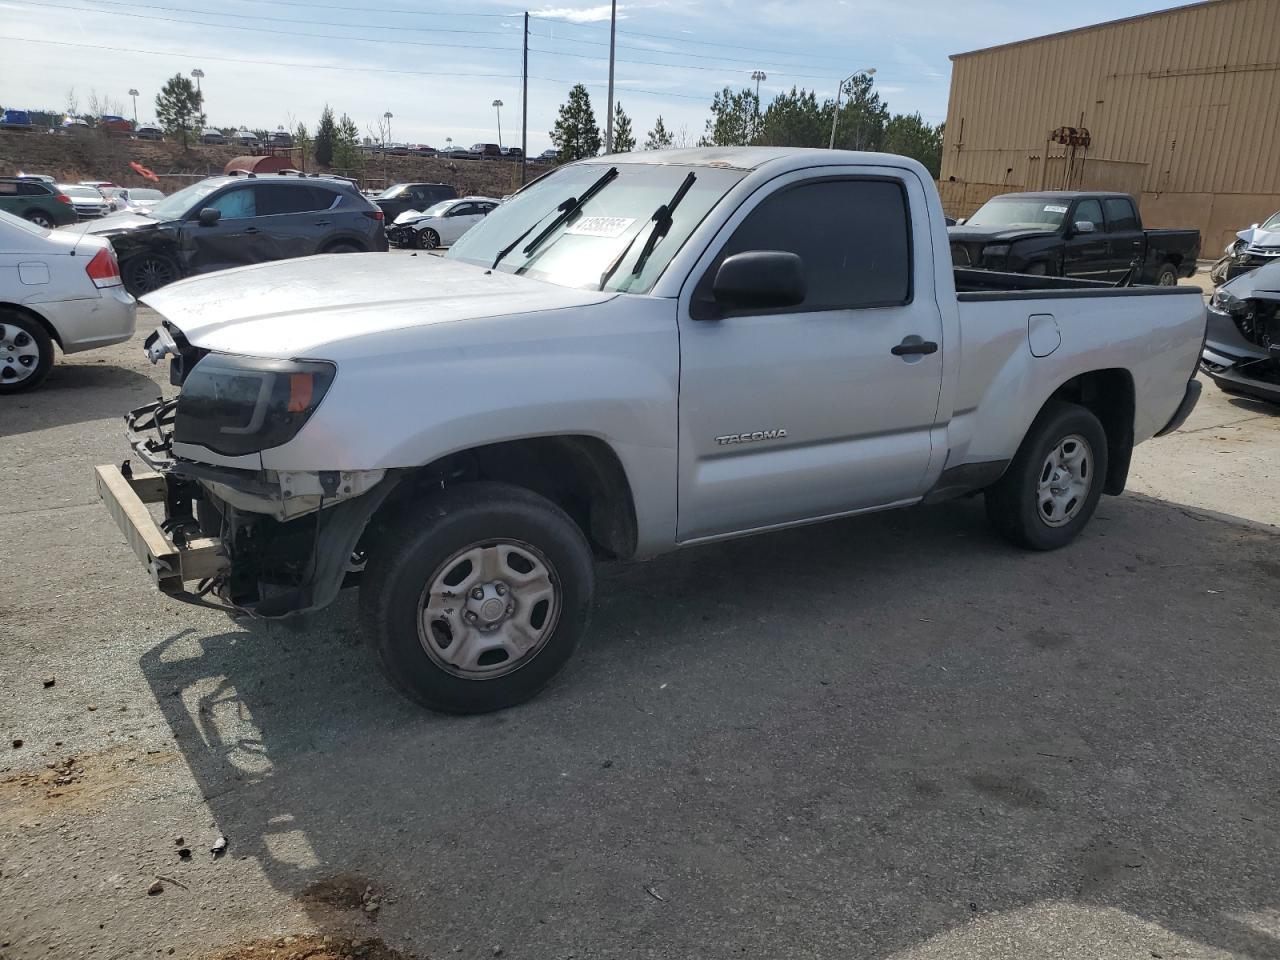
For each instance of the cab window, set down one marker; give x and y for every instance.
(1120, 214)
(1090, 211)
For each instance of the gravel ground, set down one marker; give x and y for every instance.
(889, 737)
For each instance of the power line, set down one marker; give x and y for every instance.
(684, 66)
(410, 13)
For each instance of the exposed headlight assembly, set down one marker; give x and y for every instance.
(236, 405)
(1226, 302)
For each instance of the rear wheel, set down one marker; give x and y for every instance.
(428, 239)
(148, 272)
(40, 219)
(1052, 487)
(1167, 276)
(343, 248)
(474, 600)
(26, 353)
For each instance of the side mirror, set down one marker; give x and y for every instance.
(209, 216)
(1084, 226)
(760, 279)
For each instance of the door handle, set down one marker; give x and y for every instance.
(251, 230)
(914, 346)
(323, 223)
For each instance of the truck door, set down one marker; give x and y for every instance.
(1125, 238)
(807, 412)
(1085, 252)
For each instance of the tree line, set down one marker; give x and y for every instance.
(793, 119)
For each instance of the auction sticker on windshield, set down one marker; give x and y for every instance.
(1054, 209)
(601, 226)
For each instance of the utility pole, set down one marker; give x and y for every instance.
(133, 92)
(497, 105)
(613, 32)
(524, 106)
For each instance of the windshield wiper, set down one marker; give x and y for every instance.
(566, 210)
(661, 220)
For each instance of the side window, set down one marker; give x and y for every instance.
(1120, 214)
(853, 237)
(237, 203)
(10, 189)
(462, 210)
(1091, 211)
(277, 198)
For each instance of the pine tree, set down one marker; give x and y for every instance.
(624, 141)
(659, 137)
(575, 134)
(735, 119)
(178, 106)
(346, 145)
(326, 137)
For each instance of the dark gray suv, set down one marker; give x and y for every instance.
(227, 222)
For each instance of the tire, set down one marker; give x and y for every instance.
(40, 219)
(469, 542)
(148, 272)
(344, 247)
(1025, 506)
(428, 239)
(26, 353)
(1167, 276)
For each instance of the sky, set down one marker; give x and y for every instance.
(438, 65)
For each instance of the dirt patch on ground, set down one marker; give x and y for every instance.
(313, 948)
(76, 783)
(343, 891)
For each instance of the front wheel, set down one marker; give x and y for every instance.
(148, 272)
(41, 219)
(26, 353)
(428, 240)
(474, 600)
(1052, 487)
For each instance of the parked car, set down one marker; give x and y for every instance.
(149, 131)
(422, 150)
(75, 126)
(212, 136)
(116, 126)
(486, 151)
(780, 343)
(226, 222)
(55, 287)
(88, 202)
(36, 201)
(1096, 236)
(139, 198)
(16, 120)
(1252, 248)
(398, 149)
(38, 177)
(548, 156)
(401, 197)
(247, 138)
(281, 138)
(513, 153)
(440, 225)
(1242, 350)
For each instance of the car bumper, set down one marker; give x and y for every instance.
(402, 236)
(1236, 364)
(94, 321)
(1189, 400)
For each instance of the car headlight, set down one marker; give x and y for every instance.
(1233, 247)
(1226, 302)
(236, 405)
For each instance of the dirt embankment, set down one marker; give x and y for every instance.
(93, 157)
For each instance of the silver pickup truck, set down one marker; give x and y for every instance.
(633, 354)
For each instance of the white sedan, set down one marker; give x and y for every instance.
(441, 225)
(55, 287)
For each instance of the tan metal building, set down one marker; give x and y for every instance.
(1180, 108)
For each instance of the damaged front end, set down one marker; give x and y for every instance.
(1242, 349)
(262, 542)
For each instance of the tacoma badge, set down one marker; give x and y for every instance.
(751, 437)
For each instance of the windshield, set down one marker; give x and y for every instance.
(177, 204)
(392, 192)
(580, 252)
(145, 195)
(439, 209)
(81, 192)
(1024, 212)
(1272, 222)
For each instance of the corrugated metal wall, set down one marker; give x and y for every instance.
(1191, 94)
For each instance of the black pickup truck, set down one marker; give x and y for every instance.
(1095, 236)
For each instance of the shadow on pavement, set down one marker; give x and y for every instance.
(837, 741)
(1255, 406)
(74, 393)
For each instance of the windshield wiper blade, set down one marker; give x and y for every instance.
(662, 223)
(516, 242)
(569, 208)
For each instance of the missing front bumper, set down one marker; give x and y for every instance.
(171, 565)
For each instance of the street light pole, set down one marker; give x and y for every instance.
(386, 168)
(134, 93)
(757, 76)
(868, 71)
(613, 32)
(497, 105)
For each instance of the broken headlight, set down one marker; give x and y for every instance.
(1226, 302)
(236, 405)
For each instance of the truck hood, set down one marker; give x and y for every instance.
(968, 234)
(298, 308)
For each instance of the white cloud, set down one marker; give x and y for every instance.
(579, 14)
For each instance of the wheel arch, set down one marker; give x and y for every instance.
(49, 328)
(581, 474)
(1109, 395)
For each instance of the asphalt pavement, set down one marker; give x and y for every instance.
(890, 737)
